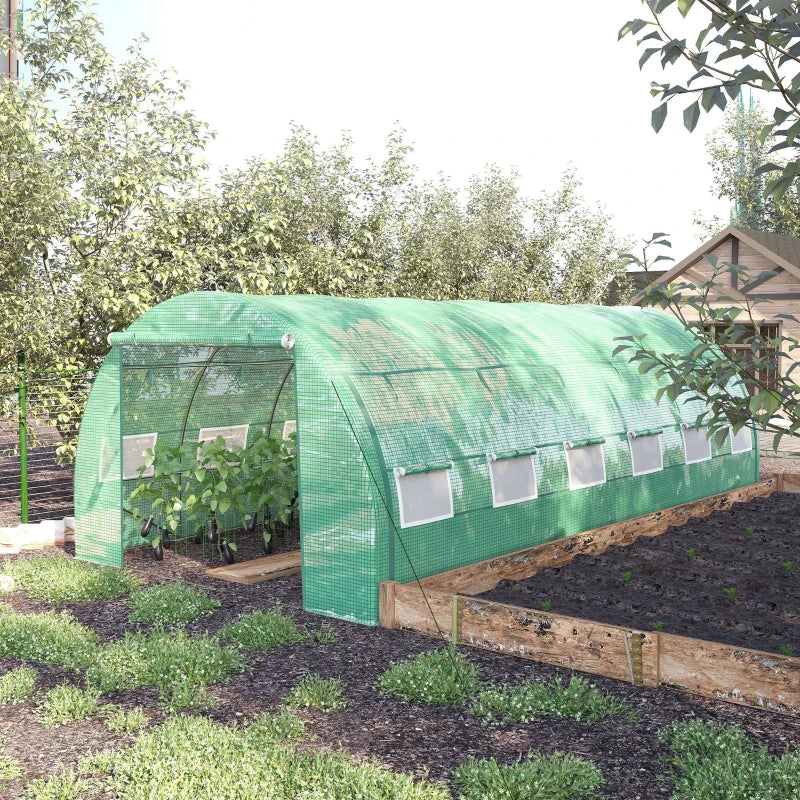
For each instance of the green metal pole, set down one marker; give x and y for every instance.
(23, 437)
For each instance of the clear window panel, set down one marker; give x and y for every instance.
(646, 455)
(513, 480)
(741, 442)
(133, 457)
(695, 444)
(424, 497)
(586, 465)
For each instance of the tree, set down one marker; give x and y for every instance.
(723, 48)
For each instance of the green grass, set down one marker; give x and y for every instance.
(170, 604)
(66, 703)
(118, 720)
(325, 634)
(556, 777)
(710, 761)
(193, 757)
(317, 692)
(59, 580)
(578, 700)
(438, 677)
(264, 630)
(179, 666)
(10, 770)
(17, 685)
(49, 638)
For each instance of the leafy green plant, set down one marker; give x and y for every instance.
(546, 605)
(118, 720)
(711, 761)
(61, 786)
(438, 677)
(66, 703)
(750, 530)
(179, 666)
(194, 757)
(558, 776)
(59, 580)
(170, 604)
(314, 691)
(730, 593)
(50, 638)
(690, 554)
(788, 567)
(326, 634)
(578, 700)
(658, 626)
(786, 649)
(626, 576)
(17, 685)
(264, 630)
(10, 769)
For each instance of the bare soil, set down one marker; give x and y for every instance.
(404, 736)
(732, 577)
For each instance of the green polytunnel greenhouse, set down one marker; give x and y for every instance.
(430, 435)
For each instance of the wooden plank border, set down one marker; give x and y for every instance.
(733, 674)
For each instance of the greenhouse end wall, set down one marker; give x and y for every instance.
(389, 388)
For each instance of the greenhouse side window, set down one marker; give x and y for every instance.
(741, 442)
(513, 476)
(695, 444)
(646, 454)
(586, 462)
(133, 455)
(424, 493)
(234, 435)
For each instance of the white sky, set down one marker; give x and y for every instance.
(523, 83)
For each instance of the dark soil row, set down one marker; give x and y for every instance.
(732, 577)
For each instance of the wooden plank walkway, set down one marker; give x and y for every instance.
(259, 570)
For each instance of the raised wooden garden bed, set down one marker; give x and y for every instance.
(448, 608)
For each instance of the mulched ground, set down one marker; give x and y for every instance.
(679, 579)
(403, 736)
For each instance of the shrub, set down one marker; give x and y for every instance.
(10, 770)
(170, 604)
(710, 761)
(195, 757)
(316, 692)
(264, 630)
(66, 703)
(118, 720)
(49, 638)
(61, 786)
(438, 677)
(17, 685)
(58, 580)
(579, 700)
(179, 666)
(556, 777)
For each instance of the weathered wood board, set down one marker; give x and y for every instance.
(485, 575)
(439, 608)
(259, 570)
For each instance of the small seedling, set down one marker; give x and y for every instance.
(730, 593)
(626, 576)
(787, 566)
(545, 605)
(750, 530)
(786, 649)
(325, 634)
(690, 553)
(658, 626)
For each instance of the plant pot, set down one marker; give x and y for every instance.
(148, 523)
(227, 553)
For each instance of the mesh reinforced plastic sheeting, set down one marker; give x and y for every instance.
(377, 385)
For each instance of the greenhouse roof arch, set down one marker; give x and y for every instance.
(431, 434)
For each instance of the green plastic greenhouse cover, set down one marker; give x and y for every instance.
(516, 453)
(380, 384)
(646, 432)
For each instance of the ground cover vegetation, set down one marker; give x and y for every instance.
(108, 208)
(170, 604)
(709, 51)
(136, 688)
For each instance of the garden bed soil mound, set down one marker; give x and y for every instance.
(732, 577)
